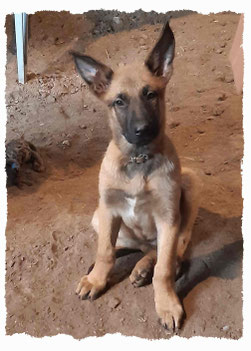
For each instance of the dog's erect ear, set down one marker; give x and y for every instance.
(159, 62)
(96, 74)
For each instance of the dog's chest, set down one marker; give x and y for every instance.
(137, 215)
(135, 211)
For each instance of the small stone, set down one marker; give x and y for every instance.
(218, 110)
(141, 41)
(74, 90)
(220, 76)
(219, 51)
(83, 126)
(66, 142)
(114, 302)
(59, 41)
(222, 97)
(174, 125)
(225, 328)
(229, 79)
(200, 131)
(50, 99)
(174, 109)
(116, 20)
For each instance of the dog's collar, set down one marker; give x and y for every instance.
(139, 159)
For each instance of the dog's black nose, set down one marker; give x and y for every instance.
(142, 130)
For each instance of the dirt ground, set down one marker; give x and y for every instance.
(50, 243)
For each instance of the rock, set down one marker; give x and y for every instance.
(116, 20)
(174, 125)
(59, 41)
(12, 264)
(219, 51)
(229, 79)
(200, 131)
(50, 99)
(83, 126)
(114, 302)
(222, 97)
(220, 76)
(144, 36)
(174, 108)
(142, 41)
(66, 142)
(218, 110)
(74, 90)
(225, 328)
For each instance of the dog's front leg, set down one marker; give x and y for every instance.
(108, 227)
(167, 304)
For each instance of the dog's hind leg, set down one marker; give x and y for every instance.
(191, 187)
(143, 271)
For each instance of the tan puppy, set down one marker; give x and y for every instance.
(146, 201)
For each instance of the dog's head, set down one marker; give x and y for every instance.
(133, 93)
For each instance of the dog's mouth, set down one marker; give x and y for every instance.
(143, 139)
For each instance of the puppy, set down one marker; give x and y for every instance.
(147, 201)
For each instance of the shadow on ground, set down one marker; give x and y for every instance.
(224, 263)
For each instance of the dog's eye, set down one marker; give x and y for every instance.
(119, 102)
(151, 95)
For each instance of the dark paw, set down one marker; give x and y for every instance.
(141, 278)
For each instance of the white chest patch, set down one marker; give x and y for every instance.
(130, 211)
(138, 217)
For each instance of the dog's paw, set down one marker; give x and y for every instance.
(142, 273)
(89, 288)
(171, 315)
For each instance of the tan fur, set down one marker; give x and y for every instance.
(152, 211)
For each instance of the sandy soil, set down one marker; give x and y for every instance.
(50, 243)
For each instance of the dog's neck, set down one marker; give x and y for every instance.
(133, 153)
(129, 157)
